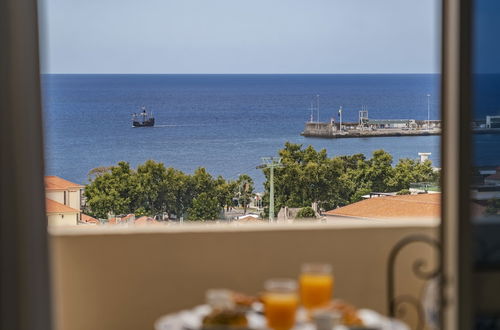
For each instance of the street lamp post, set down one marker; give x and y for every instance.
(340, 120)
(428, 111)
(271, 163)
(317, 105)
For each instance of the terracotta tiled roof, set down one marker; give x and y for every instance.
(114, 221)
(128, 217)
(404, 206)
(53, 182)
(120, 220)
(88, 219)
(55, 207)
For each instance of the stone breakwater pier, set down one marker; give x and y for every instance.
(358, 133)
(366, 127)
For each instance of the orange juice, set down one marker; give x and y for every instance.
(315, 290)
(280, 310)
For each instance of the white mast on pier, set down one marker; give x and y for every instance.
(340, 120)
(317, 104)
(428, 111)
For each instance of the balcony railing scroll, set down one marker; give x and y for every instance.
(398, 304)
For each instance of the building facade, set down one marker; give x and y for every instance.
(63, 201)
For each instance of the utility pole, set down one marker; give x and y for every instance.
(271, 163)
(428, 111)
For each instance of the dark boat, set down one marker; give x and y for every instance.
(143, 119)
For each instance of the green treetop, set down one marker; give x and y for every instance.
(310, 176)
(153, 189)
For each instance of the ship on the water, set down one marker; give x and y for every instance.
(143, 119)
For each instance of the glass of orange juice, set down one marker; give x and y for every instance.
(281, 301)
(316, 285)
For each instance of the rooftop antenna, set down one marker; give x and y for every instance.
(311, 108)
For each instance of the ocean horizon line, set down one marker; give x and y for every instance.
(239, 74)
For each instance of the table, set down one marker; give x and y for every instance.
(191, 320)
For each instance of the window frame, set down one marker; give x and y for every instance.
(456, 153)
(24, 253)
(22, 168)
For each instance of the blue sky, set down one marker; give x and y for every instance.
(240, 36)
(487, 25)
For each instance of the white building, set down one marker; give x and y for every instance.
(63, 201)
(492, 121)
(64, 192)
(424, 156)
(61, 215)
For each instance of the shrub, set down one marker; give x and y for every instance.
(403, 192)
(306, 212)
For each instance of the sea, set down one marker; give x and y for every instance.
(225, 123)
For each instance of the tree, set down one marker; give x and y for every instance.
(307, 176)
(245, 191)
(409, 171)
(98, 171)
(306, 212)
(310, 176)
(380, 171)
(151, 187)
(359, 193)
(202, 182)
(224, 191)
(154, 189)
(204, 208)
(111, 192)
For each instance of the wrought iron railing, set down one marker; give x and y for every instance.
(398, 304)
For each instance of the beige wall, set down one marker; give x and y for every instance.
(74, 199)
(63, 219)
(127, 278)
(57, 196)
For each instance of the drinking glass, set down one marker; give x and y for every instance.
(316, 285)
(281, 301)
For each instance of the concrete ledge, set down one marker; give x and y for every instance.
(125, 278)
(339, 223)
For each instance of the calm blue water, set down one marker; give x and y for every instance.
(486, 102)
(225, 123)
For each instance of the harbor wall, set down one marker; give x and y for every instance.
(380, 128)
(368, 133)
